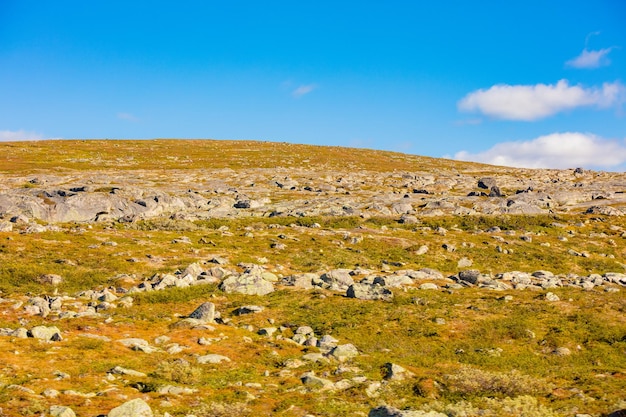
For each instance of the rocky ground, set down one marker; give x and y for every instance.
(241, 278)
(194, 194)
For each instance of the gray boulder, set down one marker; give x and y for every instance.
(495, 192)
(250, 284)
(487, 183)
(316, 383)
(38, 305)
(470, 276)
(369, 292)
(604, 210)
(336, 280)
(132, 408)
(61, 411)
(401, 208)
(344, 352)
(425, 273)
(204, 312)
(408, 219)
(393, 281)
(194, 269)
(46, 333)
(395, 372)
(304, 281)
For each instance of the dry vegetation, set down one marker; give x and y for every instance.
(472, 351)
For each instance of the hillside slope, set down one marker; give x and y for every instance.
(215, 278)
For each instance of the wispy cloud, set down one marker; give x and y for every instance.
(557, 150)
(533, 102)
(303, 90)
(18, 135)
(127, 116)
(591, 59)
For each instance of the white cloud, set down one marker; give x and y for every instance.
(303, 90)
(557, 150)
(590, 59)
(533, 102)
(18, 135)
(127, 116)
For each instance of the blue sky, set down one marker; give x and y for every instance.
(523, 83)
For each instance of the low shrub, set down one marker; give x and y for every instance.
(178, 370)
(475, 382)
